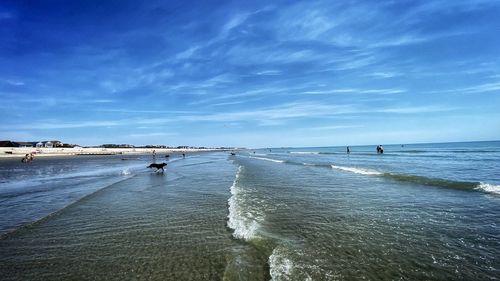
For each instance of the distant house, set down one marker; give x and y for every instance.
(56, 143)
(40, 144)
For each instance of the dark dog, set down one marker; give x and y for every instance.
(158, 166)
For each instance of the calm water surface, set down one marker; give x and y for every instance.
(417, 212)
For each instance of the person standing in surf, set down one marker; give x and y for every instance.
(348, 150)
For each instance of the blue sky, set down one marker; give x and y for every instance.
(250, 73)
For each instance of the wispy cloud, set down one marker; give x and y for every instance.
(269, 72)
(166, 111)
(383, 74)
(356, 91)
(50, 125)
(14, 82)
(54, 101)
(284, 111)
(417, 109)
(477, 89)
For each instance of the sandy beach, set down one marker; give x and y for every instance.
(19, 152)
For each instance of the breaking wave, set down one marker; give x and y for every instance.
(280, 266)
(490, 188)
(244, 222)
(21, 186)
(268, 159)
(356, 170)
(463, 185)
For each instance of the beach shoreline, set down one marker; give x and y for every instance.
(19, 152)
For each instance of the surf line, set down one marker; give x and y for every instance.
(243, 227)
(63, 208)
(267, 159)
(462, 185)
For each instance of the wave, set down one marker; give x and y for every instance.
(198, 163)
(490, 188)
(280, 266)
(413, 151)
(243, 222)
(268, 159)
(20, 185)
(356, 170)
(463, 185)
(316, 152)
(45, 217)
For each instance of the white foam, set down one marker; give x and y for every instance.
(36, 181)
(491, 188)
(244, 223)
(304, 152)
(268, 159)
(280, 267)
(356, 170)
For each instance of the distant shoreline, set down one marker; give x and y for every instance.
(19, 152)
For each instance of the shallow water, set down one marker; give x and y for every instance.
(418, 212)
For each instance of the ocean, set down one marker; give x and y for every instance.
(415, 212)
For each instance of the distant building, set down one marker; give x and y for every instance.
(56, 143)
(39, 144)
(111, 145)
(155, 146)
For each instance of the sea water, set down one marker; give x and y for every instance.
(416, 212)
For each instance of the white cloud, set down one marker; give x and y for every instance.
(269, 72)
(417, 109)
(477, 89)
(356, 91)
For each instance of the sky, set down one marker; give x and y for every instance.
(250, 73)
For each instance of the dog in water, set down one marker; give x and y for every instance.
(158, 167)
